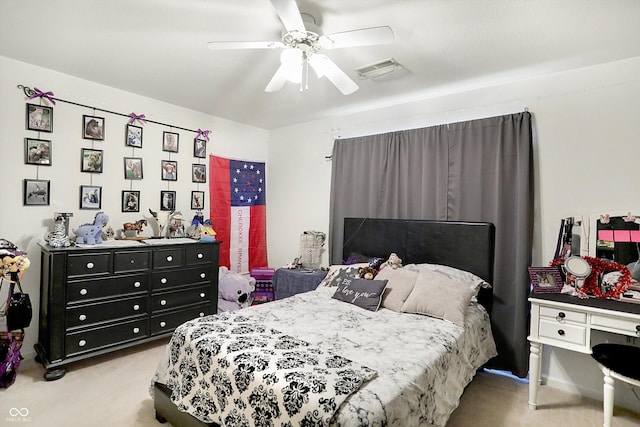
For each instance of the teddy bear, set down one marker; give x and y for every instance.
(367, 272)
(234, 290)
(394, 261)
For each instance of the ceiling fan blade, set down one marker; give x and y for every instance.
(362, 37)
(289, 14)
(244, 45)
(278, 80)
(323, 66)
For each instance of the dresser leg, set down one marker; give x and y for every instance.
(54, 374)
(534, 373)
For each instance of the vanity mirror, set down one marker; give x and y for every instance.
(615, 236)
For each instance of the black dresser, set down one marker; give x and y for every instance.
(103, 298)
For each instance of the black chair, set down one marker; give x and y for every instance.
(618, 362)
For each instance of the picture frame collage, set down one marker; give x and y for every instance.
(38, 151)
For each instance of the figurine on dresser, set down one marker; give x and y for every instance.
(91, 234)
(58, 237)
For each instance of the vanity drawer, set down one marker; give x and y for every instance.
(574, 334)
(168, 258)
(167, 322)
(97, 263)
(89, 314)
(171, 279)
(93, 339)
(180, 298)
(131, 261)
(616, 325)
(84, 290)
(561, 314)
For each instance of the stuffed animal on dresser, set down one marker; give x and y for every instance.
(234, 290)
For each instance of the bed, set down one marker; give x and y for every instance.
(336, 361)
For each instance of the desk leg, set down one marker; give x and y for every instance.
(608, 397)
(534, 373)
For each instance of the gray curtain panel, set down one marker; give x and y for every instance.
(480, 170)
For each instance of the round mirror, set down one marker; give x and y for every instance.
(577, 266)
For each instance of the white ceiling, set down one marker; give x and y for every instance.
(158, 48)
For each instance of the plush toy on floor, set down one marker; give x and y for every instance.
(234, 290)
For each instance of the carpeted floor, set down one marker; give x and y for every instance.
(112, 390)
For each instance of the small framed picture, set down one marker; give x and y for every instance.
(546, 279)
(167, 200)
(93, 127)
(198, 173)
(134, 136)
(132, 167)
(169, 170)
(197, 200)
(39, 118)
(200, 148)
(91, 160)
(36, 192)
(37, 152)
(90, 197)
(130, 201)
(170, 142)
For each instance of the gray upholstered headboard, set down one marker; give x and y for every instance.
(465, 245)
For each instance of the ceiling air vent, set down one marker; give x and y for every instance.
(377, 69)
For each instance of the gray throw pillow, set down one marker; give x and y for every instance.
(363, 293)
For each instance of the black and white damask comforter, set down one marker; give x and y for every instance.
(387, 368)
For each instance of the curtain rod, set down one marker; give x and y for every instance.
(31, 94)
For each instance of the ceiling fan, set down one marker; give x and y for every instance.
(302, 42)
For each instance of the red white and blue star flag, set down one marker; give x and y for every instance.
(237, 200)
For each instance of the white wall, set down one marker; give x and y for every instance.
(26, 225)
(586, 156)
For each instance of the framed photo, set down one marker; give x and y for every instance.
(91, 160)
(130, 201)
(169, 170)
(39, 118)
(37, 152)
(132, 167)
(170, 142)
(546, 279)
(90, 197)
(93, 127)
(36, 192)
(167, 200)
(134, 136)
(198, 173)
(200, 148)
(197, 200)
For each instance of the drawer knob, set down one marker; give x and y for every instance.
(163, 302)
(82, 343)
(169, 258)
(82, 317)
(163, 324)
(163, 280)
(561, 332)
(137, 284)
(203, 275)
(560, 317)
(136, 307)
(202, 294)
(90, 265)
(133, 261)
(200, 256)
(136, 330)
(201, 314)
(83, 291)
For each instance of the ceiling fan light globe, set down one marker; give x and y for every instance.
(291, 60)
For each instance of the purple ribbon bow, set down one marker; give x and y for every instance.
(204, 133)
(135, 117)
(40, 94)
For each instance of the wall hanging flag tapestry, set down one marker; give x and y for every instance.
(237, 200)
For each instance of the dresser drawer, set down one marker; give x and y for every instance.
(85, 290)
(564, 315)
(168, 258)
(131, 261)
(169, 300)
(170, 279)
(91, 314)
(94, 339)
(616, 325)
(198, 254)
(98, 263)
(574, 334)
(167, 322)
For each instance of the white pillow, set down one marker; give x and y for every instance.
(400, 283)
(335, 275)
(471, 280)
(437, 295)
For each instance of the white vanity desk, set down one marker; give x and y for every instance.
(566, 321)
